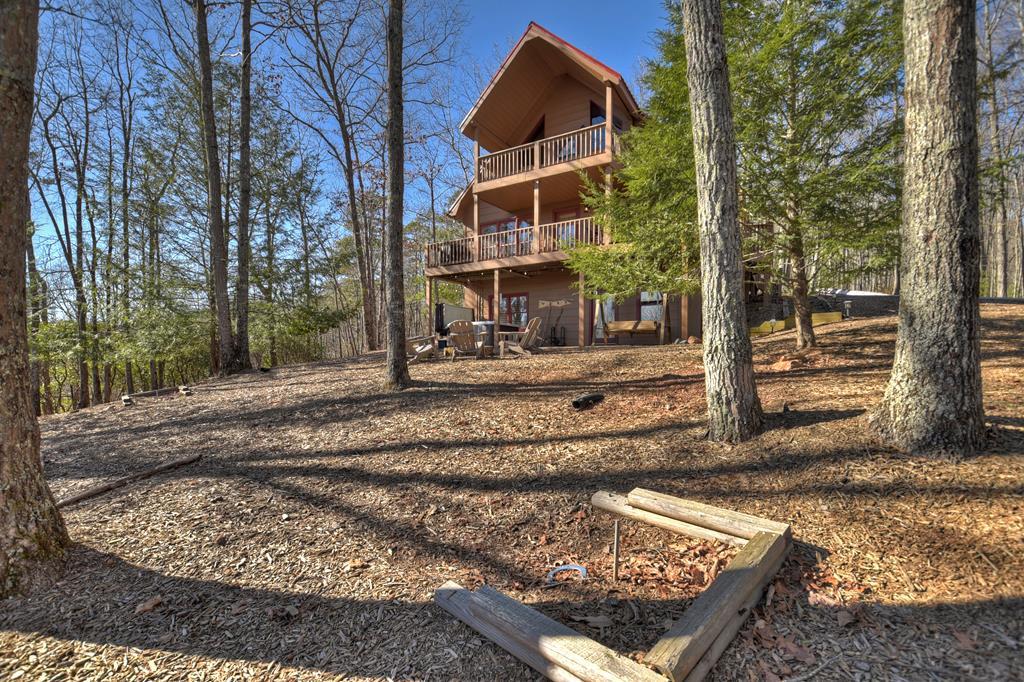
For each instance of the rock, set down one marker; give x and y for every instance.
(693, 340)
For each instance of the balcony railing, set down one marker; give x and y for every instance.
(551, 151)
(524, 241)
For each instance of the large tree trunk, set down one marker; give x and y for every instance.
(242, 360)
(397, 367)
(218, 244)
(32, 534)
(932, 404)
(734, 410)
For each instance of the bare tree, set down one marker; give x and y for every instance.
(734, 410)
(397, 368)
(32, 533)
(218, 242)
(326, 59)
(241, 352)
(933, 402)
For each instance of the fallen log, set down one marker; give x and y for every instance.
(125, 480)
(617, 504)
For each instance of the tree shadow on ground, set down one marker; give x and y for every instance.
(413, 639)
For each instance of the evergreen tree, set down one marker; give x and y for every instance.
(814, 82)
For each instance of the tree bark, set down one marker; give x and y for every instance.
(218, 244)
(801, 293)
(241, 354)
(933, 402)
(32, 533)
(1000, 258)
(397, 366)
(734, 410)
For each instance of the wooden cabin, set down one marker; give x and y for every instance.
(550, 112)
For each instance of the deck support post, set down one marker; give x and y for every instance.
(609, 147)
(582, 338)
(476, 155)
(476, 226)
(496, 307)
(606, 238)
(536, 216)
(430, 305)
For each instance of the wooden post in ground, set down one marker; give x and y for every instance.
(582, 339)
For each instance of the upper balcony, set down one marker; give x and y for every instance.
(512, 248)
(570, 151)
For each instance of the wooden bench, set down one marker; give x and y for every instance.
(631, 327)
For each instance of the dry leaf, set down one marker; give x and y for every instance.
(845, 618)
(964, 641)
(149, 604)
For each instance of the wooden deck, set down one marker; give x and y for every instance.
(567, 152)
(522, 246)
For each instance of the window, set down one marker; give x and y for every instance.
(511, 240)
(515, 308)
(597, 116)
(650, 305)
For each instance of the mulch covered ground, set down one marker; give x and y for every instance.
(307, 541)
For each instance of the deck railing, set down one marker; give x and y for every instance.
(551, 151)
(523, 241)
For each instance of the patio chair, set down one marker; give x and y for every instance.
(525, 342)
(462, 340)
(420, 348)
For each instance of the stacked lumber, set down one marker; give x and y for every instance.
(690, 649)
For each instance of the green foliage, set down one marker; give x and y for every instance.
(815, 88)
(815, 106)
(652, 211)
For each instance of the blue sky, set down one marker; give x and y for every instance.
(619, 34)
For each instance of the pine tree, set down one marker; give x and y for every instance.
(818, 142)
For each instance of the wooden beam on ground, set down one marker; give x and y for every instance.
(724, 639)
(125, 480)
(618, 504)
(155, 392)
(723, 520)
(546, 645)
(679, 651)
(455, 599)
